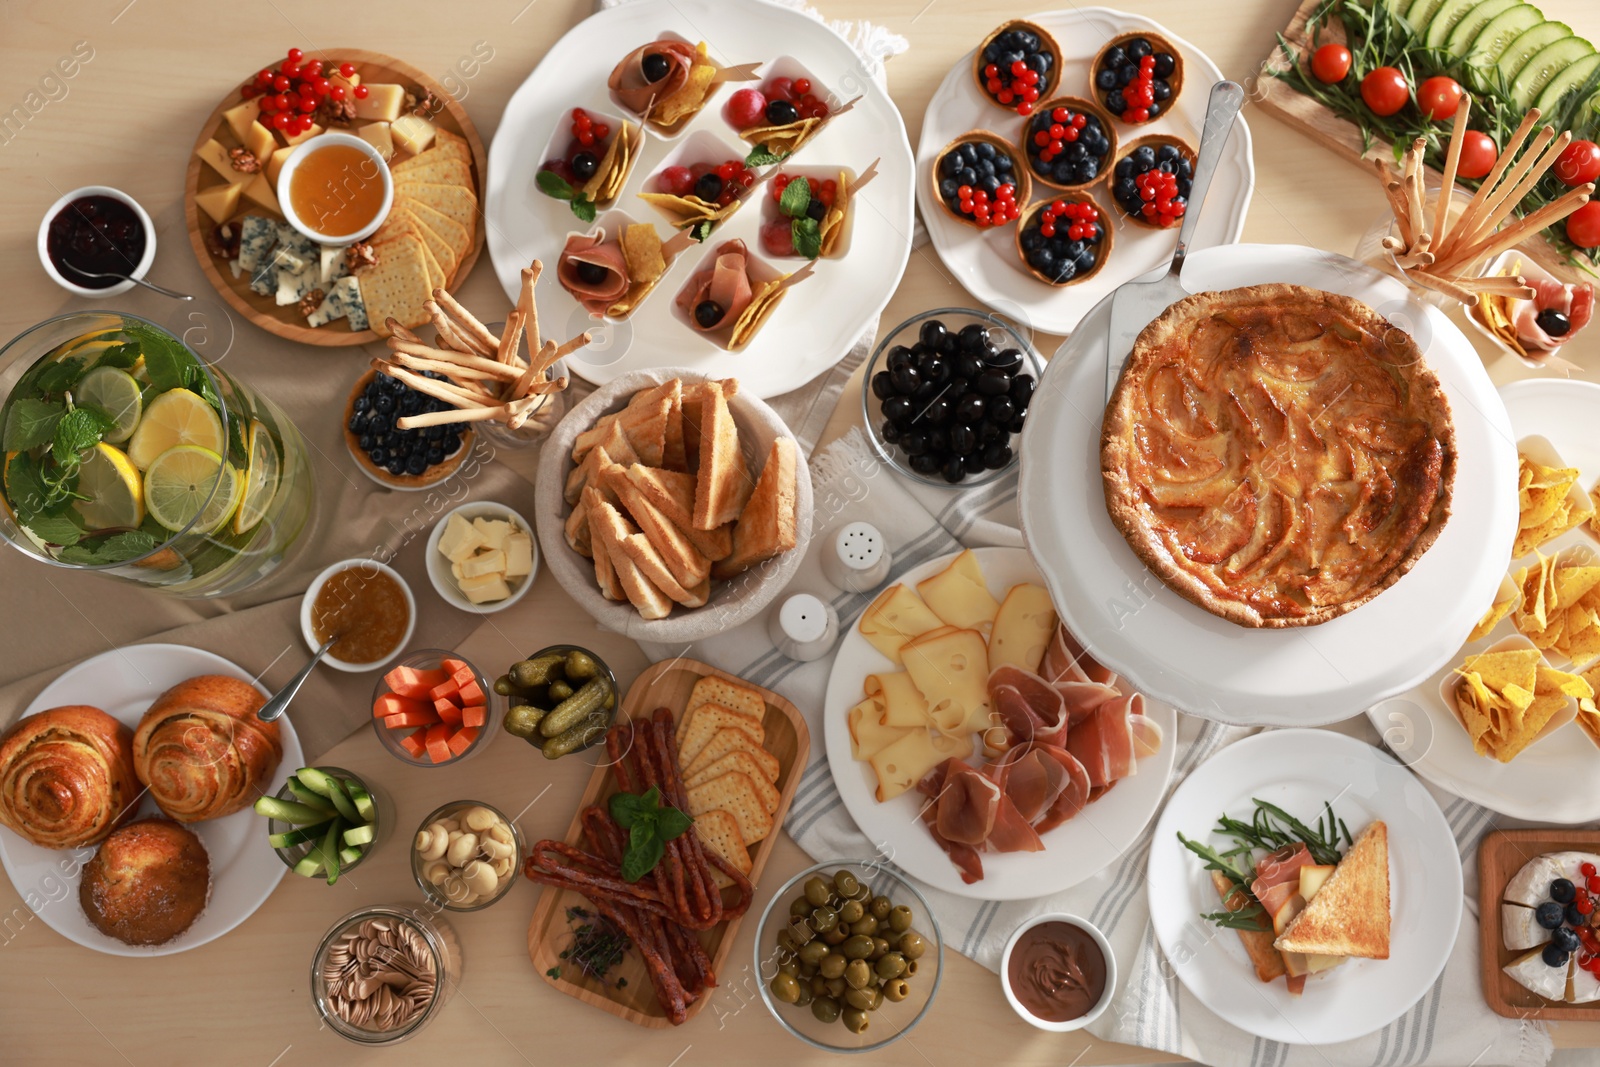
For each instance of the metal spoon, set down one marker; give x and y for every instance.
(126, 278)
(279, 703)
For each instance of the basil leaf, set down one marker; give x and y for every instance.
(583, 207)
(552, 184)
(761, 156)
(643, 832)
(78, 429)
(702, 229)
(796, 198)
(56, 529)
(626, 807)
(122, 356)
(31, 423)
(671, 823)
(807, 237)
(639, 862)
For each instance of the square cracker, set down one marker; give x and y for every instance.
(745, 763)
(730, 739)
(429, 167)
(713, 690)
(447, 231)
(397, 285)
(735, 794)
(719, 832)
(443, 251)
(453, 201)
(703, 724)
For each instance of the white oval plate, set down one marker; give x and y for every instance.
(1075, 850)
(244, 869)
(1298, 770)
(988, 264)
(1427, 735)
(1205, 665)
(816, 323)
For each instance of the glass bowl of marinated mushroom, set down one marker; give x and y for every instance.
(466, 855)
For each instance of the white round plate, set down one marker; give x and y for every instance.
(1299, 770)
(1426, 734)
(822, 317)
(1075, 850)
(988, 264)
(244, 870)
(1205, 665)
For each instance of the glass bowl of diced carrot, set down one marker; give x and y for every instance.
(434, 709)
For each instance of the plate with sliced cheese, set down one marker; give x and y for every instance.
(957, 692)
(337, 294)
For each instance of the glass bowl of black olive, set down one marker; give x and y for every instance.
(946, 394)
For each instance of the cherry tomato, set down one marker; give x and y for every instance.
(1580, 163)
(1439, 97)
(1385, 91)
(1478, 153)
(1583, 225)
(1330, 63)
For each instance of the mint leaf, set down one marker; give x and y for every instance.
(78, 429)
(583, 207)
(25, 488)
(552, 184)
(60, 376)
(796, 198)
(122, 356)
(671, 823)
(638, 862)
(31, 423)
(166, 362)
(807, 237)
(125, 546)
(702, 229)
(56, 529)
(761, 156)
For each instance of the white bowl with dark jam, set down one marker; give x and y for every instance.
(100, 230)
(1058, 972)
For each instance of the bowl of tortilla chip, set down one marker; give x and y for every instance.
(1508, 698)
(1549, 499)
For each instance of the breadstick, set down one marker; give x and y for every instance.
(511, 339)
(537, 368)
(1452, 161)
(1445, 286)
(472, 328)
(1470, 215)
(449, 393)
(1508, 196)
(448, 336)
(451, 370)
(1518, 231)
(461, 359)
(573, 345)
(530, 278)
(1413, 185)
(486, 413)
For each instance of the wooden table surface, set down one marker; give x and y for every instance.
(128, 118)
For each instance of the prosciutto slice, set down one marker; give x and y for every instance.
(628, 81)
(964, 856)
(1576, 302)
(592, 251)
(1045, 783)
(726, 282)
(1030, 708)
(1104, 740)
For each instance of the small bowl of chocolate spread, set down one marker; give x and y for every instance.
(1058, 972)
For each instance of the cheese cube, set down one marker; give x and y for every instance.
(382, 103)
(275, 164)
(482, 590)
(260, 141)
(460, 540)
(377, 135)
(240, 117)
(219, 201)
(519, 555)
(492, 561)
(494, 531)
(306, 135)
(455, 572)
(412, 133)
(260, 191)
(217, 156)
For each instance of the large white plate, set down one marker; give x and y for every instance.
(1425, 733)
(817, 322)
(1300, 676)
(1299, 770)
(244, 870)
(988, 264)
(1075, 850)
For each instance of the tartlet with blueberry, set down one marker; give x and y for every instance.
(981, 180)
(1151, 180)
(403, 459)
(1137, 77)
(1070, 143)
(1065, 240)
(1018, 65)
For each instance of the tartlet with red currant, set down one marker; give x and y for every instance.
(780, 116)
(1137, 76)
(1151, 180)
(699, 195)
(1018, 65)
(1070, 143)
(981, 180)
(1065, 240)
(591, 172)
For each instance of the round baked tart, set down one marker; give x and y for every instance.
(1137, 76)
(1065, 240)
(451, 447)
(981, 180)
(1151, 180)
(1017, 65)
(1276, 454)
(1069, 142)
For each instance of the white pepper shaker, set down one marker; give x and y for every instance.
(856, 557)
(804, 627)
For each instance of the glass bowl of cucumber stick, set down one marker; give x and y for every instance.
(324, 822)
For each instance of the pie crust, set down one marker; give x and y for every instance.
(1277, 454)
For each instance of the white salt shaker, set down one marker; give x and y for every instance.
(856, 557)
(804, 627)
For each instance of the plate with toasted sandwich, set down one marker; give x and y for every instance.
(1305, 886)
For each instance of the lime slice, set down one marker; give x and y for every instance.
(113, 487)
(114, 392)
(177, 486)
(176, 417)
(260, 481)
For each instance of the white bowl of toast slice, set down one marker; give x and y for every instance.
(671, 506)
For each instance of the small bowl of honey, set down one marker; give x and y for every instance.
(336, 189)
(366, 606)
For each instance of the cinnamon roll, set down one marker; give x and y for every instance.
(201, 750)
(66, 776)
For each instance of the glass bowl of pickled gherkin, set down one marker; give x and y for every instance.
(561, 699)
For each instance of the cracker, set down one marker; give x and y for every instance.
(735, 794)
(442, 249)
(731, 695)
(451, 232)
(396, 286)
(719, 832)
(746, 764)
(703, 724)
(452, 201)
(730, 739)
(429, 167)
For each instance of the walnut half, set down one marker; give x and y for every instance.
(311, 302)
(243, 160)
(361, 254)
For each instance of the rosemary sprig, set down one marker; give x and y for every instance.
(1250, 917)
(598, 945)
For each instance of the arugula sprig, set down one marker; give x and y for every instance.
(650, 825)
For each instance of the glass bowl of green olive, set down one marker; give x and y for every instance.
(849, 955)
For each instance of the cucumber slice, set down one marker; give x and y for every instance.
(349, 854)
(363, 801)
(1444, 21)
(359, 835)
(1420, 13)
(1530, 42)
(1543, 68)
(290, 811)
(311, 865)
(330, 852)
(1461, 39)
(305, 796)
(316, 781)
(342, 801)
(290, 838)
(1493, 40)
(1568, 80)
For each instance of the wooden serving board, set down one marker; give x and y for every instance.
(1500, 855)
(286, 320)
(1341, 135)
(665, 684)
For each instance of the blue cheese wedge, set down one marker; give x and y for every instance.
(264, 279)
(336, 305)
(355, 308)
(257, 237)
(331, 263)
(296, 242)
(1520, 929)
(1532, 973)
(294, 285)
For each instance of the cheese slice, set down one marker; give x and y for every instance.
(488, 561)
(868, 734)
(259, 140)
(1520, 929)
(959, 594)
(217, 158)
(240, 117)
(903, 763)
(1022, 628)
(219, 201)
(260, 191)
(377, 135)
(382, 102)
(1532, 973)
(904, 706)
(484, 589)
(894, 618)
(952, 672)
(494, 532)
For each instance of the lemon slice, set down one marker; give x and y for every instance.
(260, 481)
(113, 487)
(114, 392)
(177, 487)
(176, 417)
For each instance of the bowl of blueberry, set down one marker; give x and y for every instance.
(1137, 76)
(981, 180)
(1069, 142)
(945, 394)
(1017, 65)
(401, 459)
(1151, 179)
(1064, 241)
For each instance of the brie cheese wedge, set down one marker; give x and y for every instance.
(1520, 929)
(1532, 973)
